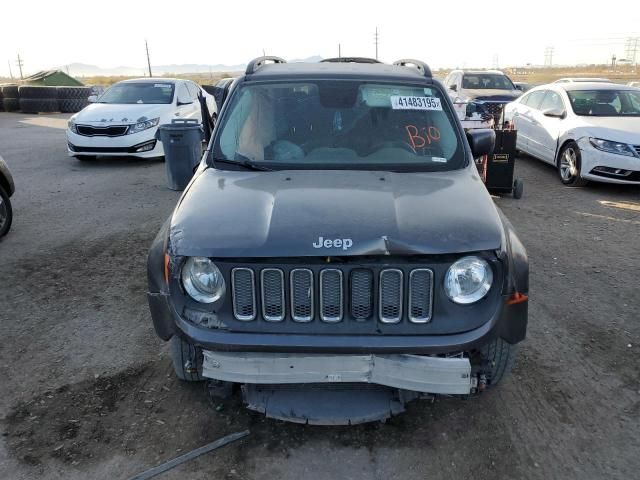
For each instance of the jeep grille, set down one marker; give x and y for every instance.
(332, 294)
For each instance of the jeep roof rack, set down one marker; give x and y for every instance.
(259, 62)
(418, 64)
(350, 60)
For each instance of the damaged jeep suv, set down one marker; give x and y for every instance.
(336, 252)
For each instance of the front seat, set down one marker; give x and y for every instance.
(603, 104)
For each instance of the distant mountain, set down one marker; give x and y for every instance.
(86, 70)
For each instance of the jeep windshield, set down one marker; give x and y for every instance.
(338, 124)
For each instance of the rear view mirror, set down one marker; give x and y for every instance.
(554, 112)
(92, 98)
(481, 141)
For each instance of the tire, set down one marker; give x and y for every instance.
(33, 92)
(500, 357)
(184, 354)
(6, 213)
(85, 158)
(10, 91)
(38, 105)
(71, 105)
(570, 165)
(1, 97)
(79, 93)
(518, 188)
(10, 104)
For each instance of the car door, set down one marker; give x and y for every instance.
(546, 126)
(522, 119)
(186, 106)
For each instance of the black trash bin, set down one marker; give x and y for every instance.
(182, 142)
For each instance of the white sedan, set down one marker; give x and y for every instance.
(125, 118)
(589, 131)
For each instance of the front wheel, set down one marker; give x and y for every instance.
(570, 164)
(499, 357)
(187, 360)
(6, 212)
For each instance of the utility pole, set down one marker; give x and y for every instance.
(20, 63)
(146, 45)
(496, 63)
(10, 72)
(339, 52)
(376, 40)
(613, 62)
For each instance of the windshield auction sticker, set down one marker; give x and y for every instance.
(401, 102)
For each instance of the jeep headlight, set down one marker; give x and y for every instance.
(468, 280)
(202, 280)
(144, 125)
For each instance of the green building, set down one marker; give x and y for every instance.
(54, 78)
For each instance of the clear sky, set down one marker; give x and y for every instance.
(452, 33)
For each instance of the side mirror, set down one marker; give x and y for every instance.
(554, 112)
(92, 98)
(454, 87)
(481, 141)
(179, 103)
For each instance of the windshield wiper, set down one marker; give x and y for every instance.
(248, 164)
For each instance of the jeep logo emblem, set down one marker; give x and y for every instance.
(344, 243)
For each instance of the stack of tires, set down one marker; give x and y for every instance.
(38, 99)
(10, 96)
(72, 99)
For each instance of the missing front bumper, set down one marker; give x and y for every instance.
(406, 372)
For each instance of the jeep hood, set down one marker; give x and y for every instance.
(284, 213)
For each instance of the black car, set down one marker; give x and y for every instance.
(336, 251)
(7, 188)
(489, 89)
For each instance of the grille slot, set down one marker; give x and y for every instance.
(361, 294)
(301, 295)
(272, 282)
(331, 297)
(244, 294)
(390, 296)
(420, 295)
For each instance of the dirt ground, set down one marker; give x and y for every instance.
(87, 389)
